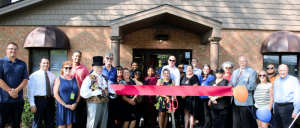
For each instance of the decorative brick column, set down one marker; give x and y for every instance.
(115, 47)
(214, 52)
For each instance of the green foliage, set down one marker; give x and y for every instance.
(27, 115)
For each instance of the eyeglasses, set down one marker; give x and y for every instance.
(68, 68)
(109, 58)
(11, 49)
(180, 67)
(137, 73)
(262, 75)
(227, 67)
(172, 60)
(268, 68)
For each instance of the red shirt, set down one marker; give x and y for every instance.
(228, 77)
(151, 81)
(80, 72)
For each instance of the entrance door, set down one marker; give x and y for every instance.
(155, 57)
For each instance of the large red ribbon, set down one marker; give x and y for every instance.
(172, 90)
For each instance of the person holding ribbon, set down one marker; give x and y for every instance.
(66, 92)
(242, 117)
(189, 102)
(219, 105)
(161, 100)
(96, 89)
(263, 95)
(128, 111)
(205, 80)
(149, 101)
(137, 75)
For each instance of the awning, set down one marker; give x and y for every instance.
(281, 41)
(47, 37)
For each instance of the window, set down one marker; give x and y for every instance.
(56, 57)
(291, 60)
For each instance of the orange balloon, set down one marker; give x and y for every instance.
(240, 93)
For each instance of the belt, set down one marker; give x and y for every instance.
(282, 104)
(41, 97)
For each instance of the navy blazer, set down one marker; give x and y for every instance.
(247, 79)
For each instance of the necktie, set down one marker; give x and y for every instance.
(240, 74)
(48, 89)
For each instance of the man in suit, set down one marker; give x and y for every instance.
(245, 76)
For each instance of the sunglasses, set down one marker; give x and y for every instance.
(180, 67)
(172, 60)
(109, 58)
(227, 67)
(269, 68)
(68, 68)
(262, 75)
(137, 73)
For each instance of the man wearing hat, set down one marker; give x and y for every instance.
(95, 89)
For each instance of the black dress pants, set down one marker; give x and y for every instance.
(179, 113)
(82, 114)
(219, 117)
(13, 110)
(111, 113)
(207, 113)
(45, 110)
(242, 117)
(283, 115)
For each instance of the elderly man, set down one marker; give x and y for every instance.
(286, 98)
(245, 76)
(13, 78)
(174, 72)
(197, 71)
(95, 89)
(79, 71)
(272, 73)
(40, 95)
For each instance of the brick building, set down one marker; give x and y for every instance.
(213, 31)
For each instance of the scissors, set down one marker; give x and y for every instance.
(172, 109)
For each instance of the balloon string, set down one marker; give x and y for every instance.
(252, 113)
(270, 125)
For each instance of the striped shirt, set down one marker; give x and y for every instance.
(261, 95)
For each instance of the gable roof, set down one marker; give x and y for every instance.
(20, 6)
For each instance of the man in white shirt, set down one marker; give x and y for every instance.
(174, 72)
(40, 95)
(95, 89)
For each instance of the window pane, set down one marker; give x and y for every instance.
(271, 59)
(291, 62)
(57, 59)
(37, 55)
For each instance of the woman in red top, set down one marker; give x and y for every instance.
(227, 66)
(149, 101)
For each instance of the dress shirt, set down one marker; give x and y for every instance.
(37, 85)
(12, 73)
(80, 72)
(206, 82)
(86, 91)
(287, 90)
(197, 72)
(174, 74)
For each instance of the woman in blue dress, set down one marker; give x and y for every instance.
(66, 93)
(161, 100)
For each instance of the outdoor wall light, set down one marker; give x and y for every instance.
(162, 37)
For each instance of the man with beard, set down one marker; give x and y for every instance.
(272, 73)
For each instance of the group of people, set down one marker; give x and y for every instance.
(85, 99)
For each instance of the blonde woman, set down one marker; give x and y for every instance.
(263, 95)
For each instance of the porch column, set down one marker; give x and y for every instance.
(214, 52)
(115, 47)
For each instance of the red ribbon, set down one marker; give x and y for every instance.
(172, 90)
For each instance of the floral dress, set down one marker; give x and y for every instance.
(161, 102)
